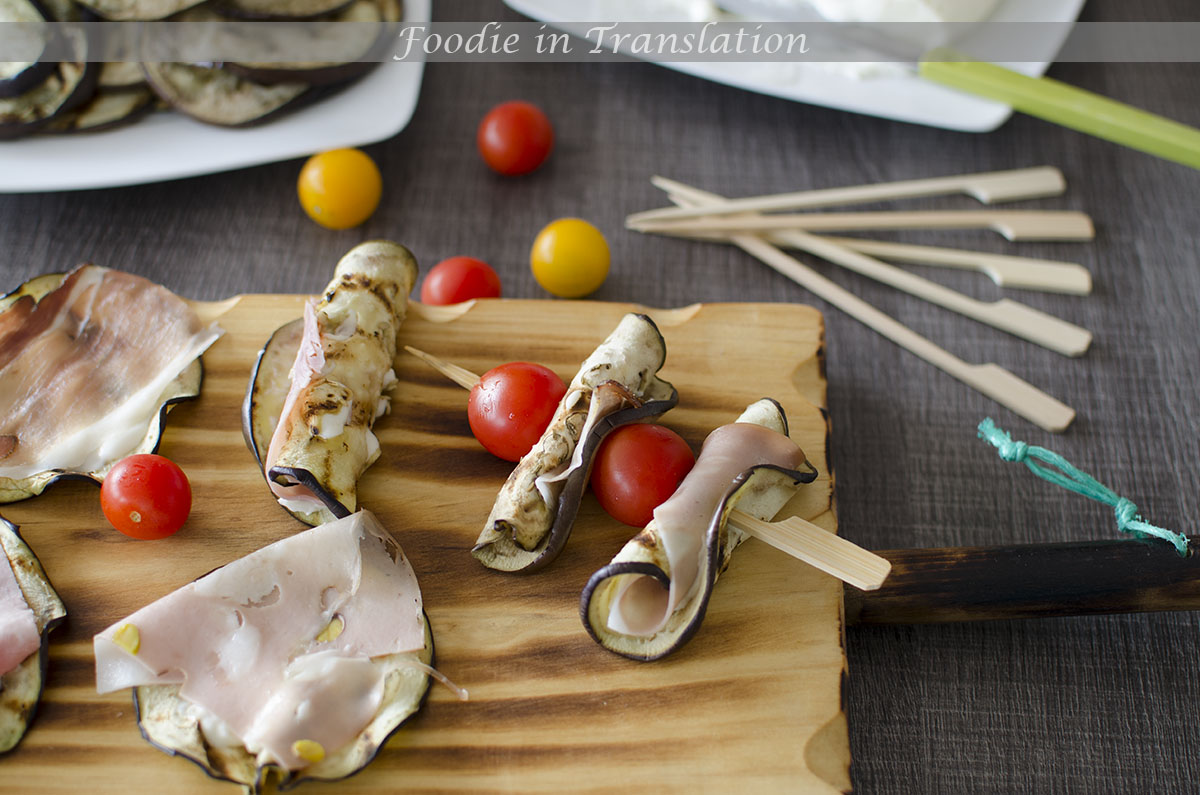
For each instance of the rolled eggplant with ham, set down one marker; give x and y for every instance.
(321, 382)
(29, 609)
(651, 598)
(294, 663)
(536, 508)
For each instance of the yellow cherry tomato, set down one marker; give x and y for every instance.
(340, 188)
(570, 258)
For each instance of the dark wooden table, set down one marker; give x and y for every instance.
(1072, 704)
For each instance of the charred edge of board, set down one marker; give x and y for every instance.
(290, 781)
(715, 555)
(571, 496)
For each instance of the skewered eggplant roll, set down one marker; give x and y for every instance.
(616, 385)
(651, 598)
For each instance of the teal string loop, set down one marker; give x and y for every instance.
(1051, 466)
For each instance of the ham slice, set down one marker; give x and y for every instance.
(19, 636)
(642, 604)
(276, 647)
(83, 370)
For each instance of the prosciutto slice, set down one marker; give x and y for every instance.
(276, 647)
(19, 636)
(83, 370)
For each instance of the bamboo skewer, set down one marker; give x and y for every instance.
(1007, 315)
(1005, 270)
(801, 539)
(1012, 224)
(818, 547)
(990, 379)
(989, 188)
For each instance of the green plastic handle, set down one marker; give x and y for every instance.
(1069, 106)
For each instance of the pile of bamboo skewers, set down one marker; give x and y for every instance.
(763, 225)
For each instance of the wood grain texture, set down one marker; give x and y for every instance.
(753, 701)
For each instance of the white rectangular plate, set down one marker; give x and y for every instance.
(904, 97)
(169, 145)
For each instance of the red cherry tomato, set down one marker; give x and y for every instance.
(459, 279)
(637, 468)
(515, 138)
(511, 406)
(146, 496)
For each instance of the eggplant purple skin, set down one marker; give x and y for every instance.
(293, 781)
(715, 553)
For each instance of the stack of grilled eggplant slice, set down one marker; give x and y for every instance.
(41, 95)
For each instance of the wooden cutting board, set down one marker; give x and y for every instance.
(752, 702)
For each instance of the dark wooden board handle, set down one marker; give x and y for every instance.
(1030, 581)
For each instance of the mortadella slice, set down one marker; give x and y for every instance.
(284, 657)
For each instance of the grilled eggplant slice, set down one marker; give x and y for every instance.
(216, 96)
(69, 84)
(361, 43)
(17, 77)
(280, 10)
(340, 365)
(137, 10)
(651, 598)
(65, 431)
(535, 510)
(121, 76)
(21, 687)
(106, 110)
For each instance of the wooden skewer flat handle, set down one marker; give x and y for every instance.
(988, 187)
(1005, 270)
(1015, 318)
(818, 547)
(1029, 581)
(1013, 224)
